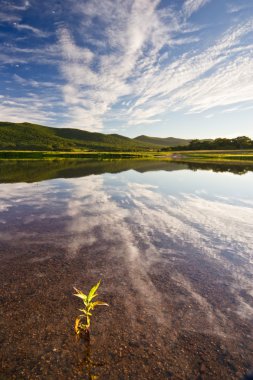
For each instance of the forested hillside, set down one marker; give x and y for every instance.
(162, 141)
(26, 136)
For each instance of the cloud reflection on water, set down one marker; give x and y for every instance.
(145, 228)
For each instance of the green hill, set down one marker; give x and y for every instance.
(166, 141)
(26, 136)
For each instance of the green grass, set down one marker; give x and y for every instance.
(76, 155)
(216, 156)
(178, 156)
(223, 156)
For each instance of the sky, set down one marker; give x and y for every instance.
(181, 68)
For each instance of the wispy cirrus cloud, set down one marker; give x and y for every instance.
(48, 54)
(132, 62)
(19, 6)
(201, 81)
(10, 12)
(34, 83)
(8, 18)
(91, 91)
(135, 37)
(40, 108)
(28, 28)
(191, 6)
(239, 7)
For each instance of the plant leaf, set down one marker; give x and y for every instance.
(80, 292)
(80, 295)
(98, 303)
(92, 292)
(77, 331)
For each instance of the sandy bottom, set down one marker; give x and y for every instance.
(178, 338)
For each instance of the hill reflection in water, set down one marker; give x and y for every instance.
(39, 170)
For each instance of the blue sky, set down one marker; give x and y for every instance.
(180, 68)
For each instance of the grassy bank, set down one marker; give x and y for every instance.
(76, 155)
(217, 156)
(182, 156)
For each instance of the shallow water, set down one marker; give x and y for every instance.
(173, 248)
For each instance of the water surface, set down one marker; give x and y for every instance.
(173, 248)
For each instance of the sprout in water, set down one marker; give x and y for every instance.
(82, 323)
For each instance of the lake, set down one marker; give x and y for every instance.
(172, 244)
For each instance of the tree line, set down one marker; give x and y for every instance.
(241, 142)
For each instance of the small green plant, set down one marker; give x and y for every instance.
(82, 323)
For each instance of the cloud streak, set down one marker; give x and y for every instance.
(191, 6)
(28, 28)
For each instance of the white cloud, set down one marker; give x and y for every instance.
(9, 18)
(235, 8)
(96, 91)
(29, 28)
(217, 76)
(41, 109)
(10, 12)
(22, 7)
(191, 6)
(33, 83)
(71, 52)
(49, 54)
(133, 66)
(143, 62)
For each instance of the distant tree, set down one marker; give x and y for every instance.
(241, 142)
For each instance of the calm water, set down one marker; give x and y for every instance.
(173, 248)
